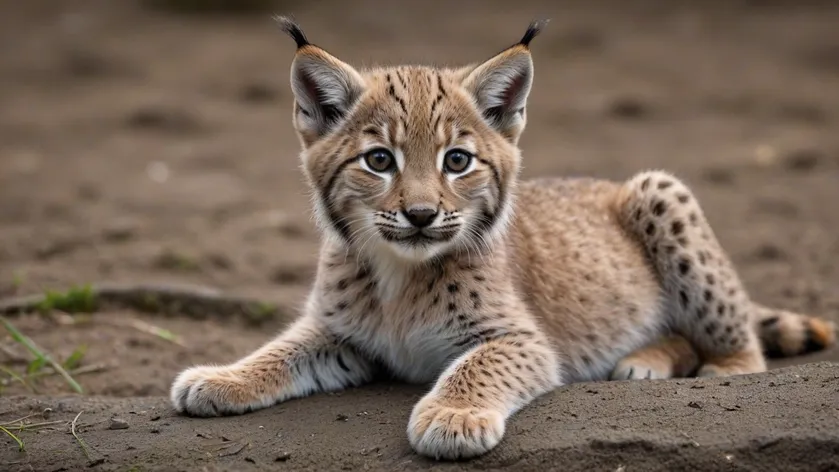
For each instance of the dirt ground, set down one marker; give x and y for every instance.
(140, 146)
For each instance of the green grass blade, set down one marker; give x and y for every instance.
(30, 345)
(14, 375)
(35, 366)
(17, 439)
(75, 358)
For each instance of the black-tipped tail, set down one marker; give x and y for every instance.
(532, 31)
(786, 334)
(291, 28)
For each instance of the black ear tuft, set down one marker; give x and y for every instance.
(532, 31)
(292, 29)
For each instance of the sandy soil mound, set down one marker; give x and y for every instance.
(787, 420)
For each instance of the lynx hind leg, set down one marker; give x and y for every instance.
(669, 357)
(707, 301)
(788, 334)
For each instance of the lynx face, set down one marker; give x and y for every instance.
(417, 160)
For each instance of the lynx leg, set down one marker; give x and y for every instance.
(303, 360)
(709, 304)
(465, 413)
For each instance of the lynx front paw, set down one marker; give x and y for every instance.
(447, 432)
(213, 391)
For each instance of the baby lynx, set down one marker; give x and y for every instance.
(440, 266)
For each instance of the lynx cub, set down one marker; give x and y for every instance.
(441, 267)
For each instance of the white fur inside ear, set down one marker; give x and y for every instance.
(315, 82)
(505, 85)
(500, 87)
(325, 89)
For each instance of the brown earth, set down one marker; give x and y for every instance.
(140, 146)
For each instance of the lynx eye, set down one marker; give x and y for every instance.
(379, 160)
(456, 161)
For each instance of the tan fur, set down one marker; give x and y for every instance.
(517, 288)
(672, 356)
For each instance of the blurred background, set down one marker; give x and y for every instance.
(150, 140)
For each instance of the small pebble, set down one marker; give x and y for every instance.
(283, 457)
(803, 160)
(118, 423)
(120, 230)
(628, 108)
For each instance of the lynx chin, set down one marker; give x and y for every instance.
(440, 266)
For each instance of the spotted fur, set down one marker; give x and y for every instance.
(440, 267)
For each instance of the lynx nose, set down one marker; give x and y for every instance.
(420, 216)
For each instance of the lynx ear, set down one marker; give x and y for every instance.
(502, 84)
(324, 87)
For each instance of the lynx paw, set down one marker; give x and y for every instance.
(446, 432)
(748, 361)
(635, 369)
(213, 391)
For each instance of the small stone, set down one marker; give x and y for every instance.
(803, 160)
(342, 417)
(219, 261)
(283, 457)
(118, 423)
(628, 108)
(120, 230)
(696, 405)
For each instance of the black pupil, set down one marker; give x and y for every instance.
(380, 160)
(457, 161)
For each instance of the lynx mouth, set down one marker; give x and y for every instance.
(417, 237)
